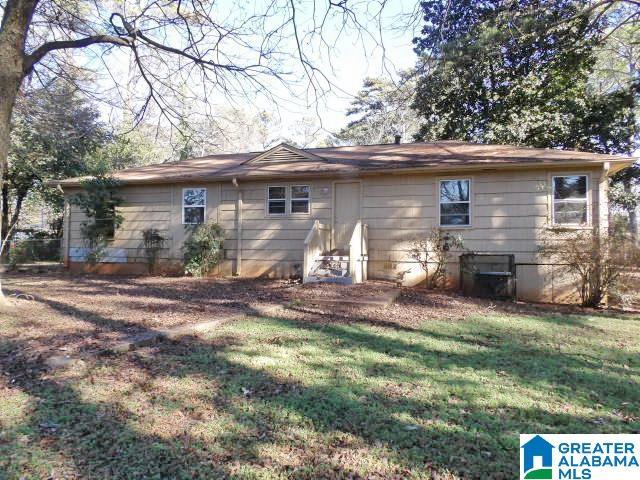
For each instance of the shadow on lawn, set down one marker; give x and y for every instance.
(457, 436)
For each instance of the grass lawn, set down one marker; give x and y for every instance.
(294, 398)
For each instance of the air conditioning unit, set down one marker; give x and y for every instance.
(488, 276)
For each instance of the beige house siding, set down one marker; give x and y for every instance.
(508, 209)
(152, 206)
(271, 245)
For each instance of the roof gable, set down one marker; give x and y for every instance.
(285, 153)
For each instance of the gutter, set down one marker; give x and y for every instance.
(616, 164)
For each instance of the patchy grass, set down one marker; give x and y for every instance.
(442, 398)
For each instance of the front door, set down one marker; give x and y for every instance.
(346, 213)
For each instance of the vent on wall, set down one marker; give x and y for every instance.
(285, 153)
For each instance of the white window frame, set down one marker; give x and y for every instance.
(586, 200)
(204, 205)
(440, 202)
(268, 201)
(291, 200)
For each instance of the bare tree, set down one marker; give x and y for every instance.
(596, 259)
(178, 50)
(432, 252)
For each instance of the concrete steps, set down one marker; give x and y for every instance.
(331, 267)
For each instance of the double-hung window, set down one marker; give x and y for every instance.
(570, 201)
(194, 203)
(455, 204)
(107, 221)
(277, 200)
(300, 199)
(288, 200)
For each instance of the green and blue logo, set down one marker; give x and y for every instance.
(537, 459)
(580, 456)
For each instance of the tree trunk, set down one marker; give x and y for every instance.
(9, 84)
(16, 19)
(4, 221)
(9, 225)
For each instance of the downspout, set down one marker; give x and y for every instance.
(66, 230)
(603, 199)
(604, 228)
(67, 243)
(238, 271)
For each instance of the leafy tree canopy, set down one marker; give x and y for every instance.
(534, 73)
(57, 133)
(383, 110)
(505, 72)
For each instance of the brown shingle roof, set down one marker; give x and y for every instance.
(436, 156)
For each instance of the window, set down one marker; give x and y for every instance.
(287, 200)
(277, 200)
(570, 200)
(300, 199)
(455, 207)
(194, 201)
(107, 223)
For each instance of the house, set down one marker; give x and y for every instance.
(287, 209)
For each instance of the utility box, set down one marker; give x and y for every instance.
(488, 276)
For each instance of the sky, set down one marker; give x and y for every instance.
(353, 54)
(353, 60)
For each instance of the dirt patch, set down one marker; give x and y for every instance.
(61, 314)
(322, 291)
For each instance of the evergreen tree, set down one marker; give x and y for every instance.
(504, 72)
(383, 110)
(522, 73)
(57, 133)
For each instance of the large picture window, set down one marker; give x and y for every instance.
(570, 203)
(194, 203)
(300, 199)
(277, 200)
(455, 205)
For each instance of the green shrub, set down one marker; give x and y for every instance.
(19, 253)
(34, 249)
(203, 249)
(99, 202)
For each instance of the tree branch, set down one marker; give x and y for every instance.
(42, 50)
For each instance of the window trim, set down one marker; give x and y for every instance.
(469, 202)
(291, 199)
(112, 237)
(587, 200)
(268, 200)
(288, 198)
(204, 205)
